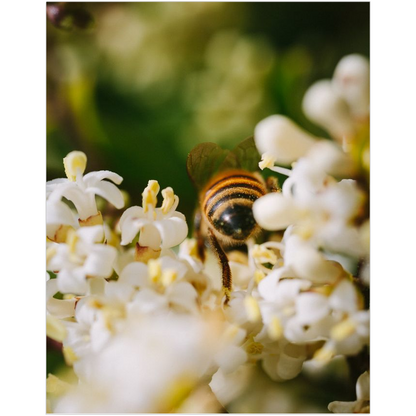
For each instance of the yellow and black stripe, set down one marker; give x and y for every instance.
(227, 203)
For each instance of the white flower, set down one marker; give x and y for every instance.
(352, 81)
(163, 286)
(159, 227)
(337, 318)
(338, 105)
(80, 258)
(144, 367)
(283, 360)
(60, 308)
(81, 189)
(322, 210)
(282, 139)
(362, 404)
(324, 106)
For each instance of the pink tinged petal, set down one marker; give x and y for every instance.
(281, 137)
(363, 386)
(100, 261)
(275, 211)
(311, 307)
(344, 297)
(325, 107)
(230, 358)
(108, 191)
(172, 231)
(135, 274)
(92, 178)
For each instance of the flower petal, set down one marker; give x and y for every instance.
(92, 178)
(172, 231)
(108, 191)
(281, 137)
(274, 211)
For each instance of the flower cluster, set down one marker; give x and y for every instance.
(141, 319)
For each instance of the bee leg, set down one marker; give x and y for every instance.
(200, 239)
(272, 184)
(223, 259)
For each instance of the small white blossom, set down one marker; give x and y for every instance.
(79, 258)
(159, 227)
(81, 189)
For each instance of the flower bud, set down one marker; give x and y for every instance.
(282, 139)
(351, 81)
(325, 107)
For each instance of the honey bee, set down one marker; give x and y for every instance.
(228, 188)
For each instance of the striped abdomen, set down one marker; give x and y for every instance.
(228, 201)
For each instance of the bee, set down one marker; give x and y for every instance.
(227, 190)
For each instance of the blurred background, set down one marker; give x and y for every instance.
(137, 85)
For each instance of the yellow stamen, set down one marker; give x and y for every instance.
(55, 386)
(176, 393)
(192, 247)
(275, 328)
(150, 195)
(252, 309)
(111, 315)
(323, 355)
(55, 329)
(258, 276)
(75, 162)
(168, 277)
(69, 355)
(254, 348)
(155, 270)
(263, 254)
(343, 330)
(72, 240)
(267, 161)
(168, 200)
(50, 252)
(231, 332)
